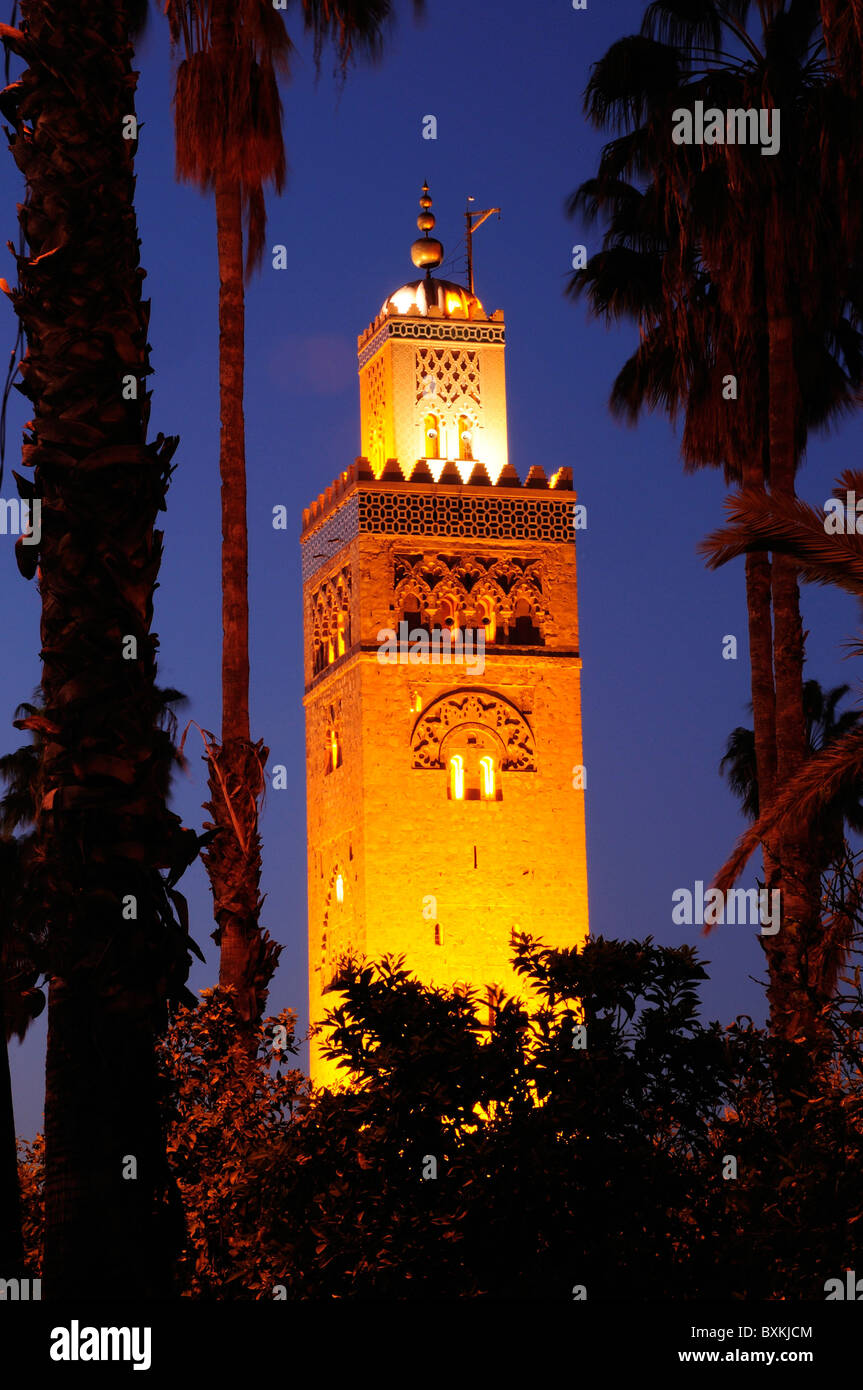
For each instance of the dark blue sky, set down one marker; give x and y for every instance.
(505, 81)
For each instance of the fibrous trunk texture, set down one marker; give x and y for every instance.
(248, 956)
(117, 952)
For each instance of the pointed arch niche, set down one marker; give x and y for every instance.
(475, 735)
(338, 933)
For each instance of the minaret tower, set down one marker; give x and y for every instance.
(442, 667)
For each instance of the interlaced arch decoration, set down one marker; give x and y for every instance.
(330, 727)
(468, 580)
(331, 616)
(484, 708)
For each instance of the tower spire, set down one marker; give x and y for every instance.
(426, 251)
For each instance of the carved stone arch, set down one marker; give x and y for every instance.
(487, 591)
(320, 634)
(330, 738)
(523, 589)
(506, 573)
(331, 619)
(487, 588)
(449, 588)
(525, 593)
(468, 413)
(414, 584)
(338, 930)
(469, 726)
(483, 707)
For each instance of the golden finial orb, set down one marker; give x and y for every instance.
(427, 251)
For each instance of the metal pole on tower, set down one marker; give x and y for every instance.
(473, 220)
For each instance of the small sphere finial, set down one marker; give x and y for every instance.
(426, 252)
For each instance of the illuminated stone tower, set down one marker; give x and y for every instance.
(445, 808)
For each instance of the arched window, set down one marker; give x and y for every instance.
(335, 751)
(524, 632)
(432, 436)
(486, 770)
(340, 634)
(465, 438)
(340, 889)
(411, 611)
(487, 618)
(456, 771)
(448, 616)
(473, 757)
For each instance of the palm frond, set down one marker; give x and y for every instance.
(820, 781)
(635, 75)
(355, 28)
(789, 526)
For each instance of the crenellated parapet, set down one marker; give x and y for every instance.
(447, 498)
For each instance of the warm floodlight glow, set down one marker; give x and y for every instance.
(340, 889)
(489, 620)
(465, 438)
(432, 437)
(487, 769)
(456, 764)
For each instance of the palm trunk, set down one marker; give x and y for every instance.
(759, 610)
(793, 1012)
(232, 464)
(116, 952)
(248, 957)
(11, 1243)
(234, 862)
(760, 614)
(758, 605)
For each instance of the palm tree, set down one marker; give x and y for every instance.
(843, 34)
(228, 118)
(117, 944)
(826, 831)
(21, 950)
(824, 795)
(725, 214)
(823, 725)
(627, 278)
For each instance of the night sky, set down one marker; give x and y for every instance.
(505, 81)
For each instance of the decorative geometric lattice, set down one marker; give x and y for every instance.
(480, 707)
(445, 514)
(377, 402)
(447, 332)
(337, 531)
(449, 374)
